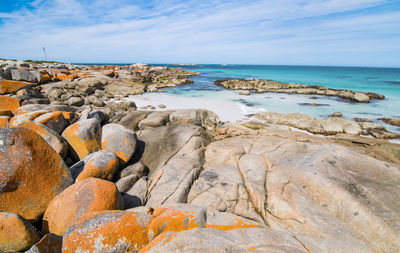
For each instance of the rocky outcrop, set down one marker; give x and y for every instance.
(325, 126)
(261, 86)
(32, 173)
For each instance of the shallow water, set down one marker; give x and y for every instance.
(385, 81)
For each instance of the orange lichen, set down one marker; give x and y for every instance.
(20, 117)
(113, 229)
(83, 198)
(52, 140)
(35, 174)
(9, 103)
(16, 234)
(70, 117)
(55, 116)
(161, 239)
(4, 122)
(92, 170)
(82, 146)
(239, 224)
(8, 86)
(170, 219)
(252, 248)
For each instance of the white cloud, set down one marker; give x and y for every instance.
(202, 31)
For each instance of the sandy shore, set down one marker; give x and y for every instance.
(225, 109)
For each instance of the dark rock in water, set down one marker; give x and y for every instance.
(314, 97)
(390, 121)
(262, 86)
(314, 104)
(336, 114)
(362, 120)
(245, 102)
(392, 82)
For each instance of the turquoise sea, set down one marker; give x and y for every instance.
(385, 81)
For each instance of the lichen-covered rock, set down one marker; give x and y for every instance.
(9, 103)
(52, 138)
(119, 140)
(30, 116)
(4, 121)
(214, 240)
(84, 137)
(31, 173)
(50, 243)
(53, 120)
(16, 234)
(39, 107)
(108, 231)
(8, 86)
(102, 164)
(79, 200)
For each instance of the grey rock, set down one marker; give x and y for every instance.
(120, 140)
(155, 119)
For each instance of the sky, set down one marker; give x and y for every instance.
(277, 32)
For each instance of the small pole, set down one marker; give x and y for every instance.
(45, 55)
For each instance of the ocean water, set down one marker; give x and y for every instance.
(385, 81)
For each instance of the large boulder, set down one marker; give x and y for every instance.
(119, 140)
(84, 137)
(131, 119)
(52, 138)
(161, 143)
(8, 86)
(108, 231)
(31, 173)
(23, 74)
(328, 196)
(155, 119)
(16, 234)
(79, 200)
(9, 103)
(54, 120)
(102, 164)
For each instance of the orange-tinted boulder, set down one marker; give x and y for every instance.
(102, 164)
(79, 200)
(70, 117)
(8, 86)
(31, 173)
(16, 234)
(4, 120)
(84, 137)
(9, 103)
(180, 218)
(108, 231)
(119, 140)
(52, 138)
(53, 120)
(50, 243)
(18, 119)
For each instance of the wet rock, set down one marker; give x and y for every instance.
(82, 199)
(393, 122)
(32, 173)
(336, 114)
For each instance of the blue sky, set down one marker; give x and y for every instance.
(292, 32)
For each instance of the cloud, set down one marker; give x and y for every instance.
(259, 32)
